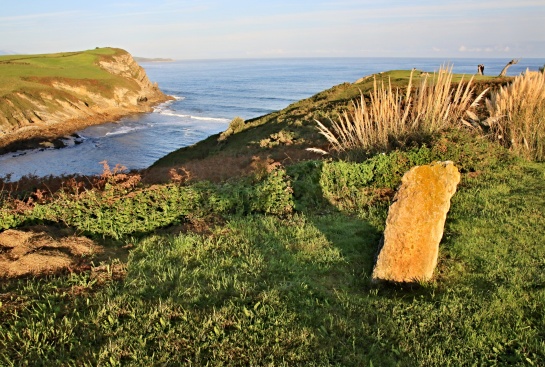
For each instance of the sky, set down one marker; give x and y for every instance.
(211, 29)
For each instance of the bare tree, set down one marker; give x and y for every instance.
(504, 71)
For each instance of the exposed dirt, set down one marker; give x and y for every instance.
(42, 250)
(221, 167)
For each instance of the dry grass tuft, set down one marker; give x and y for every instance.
(517, 115)
(392, 118)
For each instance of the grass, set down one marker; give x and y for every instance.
(264, 290)
(28, 81)
(274, 268)
(517, 115)
(397, 118)
(255, 289)
(18, 72)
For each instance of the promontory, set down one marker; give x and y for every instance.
(47, 96)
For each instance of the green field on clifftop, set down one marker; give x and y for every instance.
(23, 73)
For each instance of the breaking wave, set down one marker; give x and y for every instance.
(201, 118)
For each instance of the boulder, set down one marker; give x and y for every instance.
(415, 223)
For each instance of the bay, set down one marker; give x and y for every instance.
(208, 95)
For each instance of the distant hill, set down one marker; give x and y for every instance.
(8, 52)
(147, 59)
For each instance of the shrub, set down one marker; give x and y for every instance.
(267, 193)
(305, 180)
(393, 118)
(517, 115)
(116, 209)
(100, 213)
(236, 125)
(283, 137)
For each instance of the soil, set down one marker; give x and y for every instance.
(43, 250)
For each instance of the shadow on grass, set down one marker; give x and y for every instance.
(294, 291)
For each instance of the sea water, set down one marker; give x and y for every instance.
(208, 95)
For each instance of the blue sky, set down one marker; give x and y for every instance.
(211, 29)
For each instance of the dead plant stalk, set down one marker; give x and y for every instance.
(517, 115)
(394, 117)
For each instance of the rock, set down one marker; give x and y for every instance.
(415, 223)
(47, 144)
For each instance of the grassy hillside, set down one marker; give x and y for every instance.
(283, 135)
(33, 75)
(273, 268)
(24, 72)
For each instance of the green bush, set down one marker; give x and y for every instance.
(236, 125)
(352, 186)
(271, 194)
(96, 213)
(116, 212)
(9, 219)
(305, 180)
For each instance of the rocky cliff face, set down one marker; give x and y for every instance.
(60, 105)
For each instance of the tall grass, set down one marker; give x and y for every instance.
(517, 115)
(392, 118)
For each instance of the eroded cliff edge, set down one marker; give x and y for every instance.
(44, 97)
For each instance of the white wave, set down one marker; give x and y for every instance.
(123, 130)
(163, 105)
(201, 118)
(170, 113)
(219, 119)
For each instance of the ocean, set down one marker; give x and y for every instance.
(208, 95)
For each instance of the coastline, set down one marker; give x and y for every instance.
(37, 112)
(51, 135)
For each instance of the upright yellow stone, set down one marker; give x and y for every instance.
(415, 223)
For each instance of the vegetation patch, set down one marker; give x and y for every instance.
(517, 115)
(395, 119)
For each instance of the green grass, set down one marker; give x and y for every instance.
(295, 290)
(274, 269)
(17, 71)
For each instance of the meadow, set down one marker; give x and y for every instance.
(272, 267)
(20, 73)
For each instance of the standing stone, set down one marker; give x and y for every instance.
(415, 223)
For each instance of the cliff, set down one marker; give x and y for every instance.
(43, 97)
